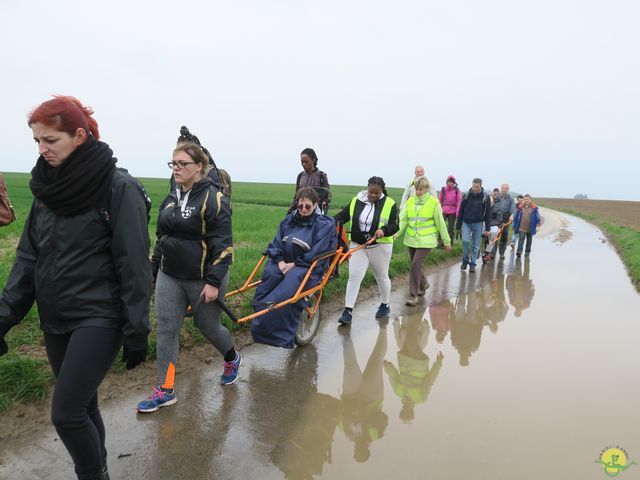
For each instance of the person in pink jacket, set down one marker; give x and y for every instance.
(450, 198)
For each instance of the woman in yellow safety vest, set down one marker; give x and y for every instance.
(372, 213)
(422, 219)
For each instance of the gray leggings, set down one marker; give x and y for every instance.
(173, 295)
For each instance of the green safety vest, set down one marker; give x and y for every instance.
(421, 222)
(384, 216)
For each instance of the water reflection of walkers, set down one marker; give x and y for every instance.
(295, 430)
(413, 379)
(520, 287)
(493, 308)
(466, 328)
(362, 419)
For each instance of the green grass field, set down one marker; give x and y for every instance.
(257, 210)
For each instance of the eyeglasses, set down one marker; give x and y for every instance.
(305, 206)
(180, 164)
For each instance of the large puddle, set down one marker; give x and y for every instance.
(524, 370)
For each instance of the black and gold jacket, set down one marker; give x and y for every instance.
(194, 242)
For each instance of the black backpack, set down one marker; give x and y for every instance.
(106, 202)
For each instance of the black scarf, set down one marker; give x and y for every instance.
(79, 183)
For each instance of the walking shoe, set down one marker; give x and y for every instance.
(422, 292)
(464, 265)
(518, 254)
(411, 301)
(230, 373)
(472, 269)
(161, 397)
(345, 318)
(383, 310)
(512, 245)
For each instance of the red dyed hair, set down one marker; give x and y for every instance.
(66, 114)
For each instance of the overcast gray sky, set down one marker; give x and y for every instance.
(543, 94)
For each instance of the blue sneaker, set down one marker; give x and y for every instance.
(230, 374)
(345, 318)
(383, 310)
(160, 398)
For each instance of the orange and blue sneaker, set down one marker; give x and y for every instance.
(230, 374)
(161, 397)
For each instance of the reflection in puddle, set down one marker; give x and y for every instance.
(412, 380)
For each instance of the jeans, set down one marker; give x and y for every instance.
(471, 230)
(522, 237)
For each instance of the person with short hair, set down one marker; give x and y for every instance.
(526, 223)
(83, 257)
(475, 209)
(514, 237)
(191, 260)
(373, 214)
(508, 207)
(301, 237)
(422, 220)
(410, 190)
(495, 222)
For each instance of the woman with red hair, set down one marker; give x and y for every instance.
(83, 257)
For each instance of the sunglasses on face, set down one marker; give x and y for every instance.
(305, 206)
(180, 164)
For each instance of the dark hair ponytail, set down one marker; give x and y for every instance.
(379, 182)
(310, 152)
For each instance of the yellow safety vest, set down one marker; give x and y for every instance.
(421, 222)
(384, 216)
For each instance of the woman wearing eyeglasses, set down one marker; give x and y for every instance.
(191, 262)
(301, 237)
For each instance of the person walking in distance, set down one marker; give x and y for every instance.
(508, 207)
(450, 198)
(526, 223)
(473, 220)
(410, 189)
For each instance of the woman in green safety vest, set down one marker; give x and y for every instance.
(422, 219)
(372, 213)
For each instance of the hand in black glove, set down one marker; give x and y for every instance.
(134, 350)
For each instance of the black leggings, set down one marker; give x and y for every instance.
(80, 360)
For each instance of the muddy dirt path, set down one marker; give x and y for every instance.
(523, 370)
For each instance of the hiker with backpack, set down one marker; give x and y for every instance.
(450, 198)
(311, 176)
(191, 261)
(473, 221)
(83, 257)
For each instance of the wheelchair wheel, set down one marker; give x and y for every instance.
(309, 323)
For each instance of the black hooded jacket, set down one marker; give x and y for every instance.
(195, 242)
(91, 269)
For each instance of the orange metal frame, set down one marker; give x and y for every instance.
(338, 258)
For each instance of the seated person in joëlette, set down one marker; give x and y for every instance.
(301, 237)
